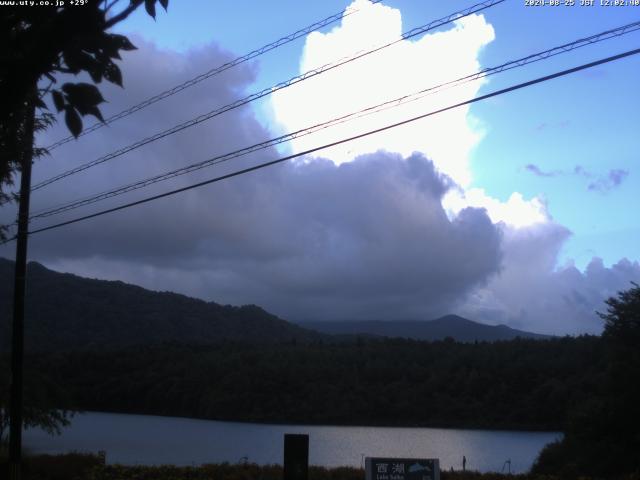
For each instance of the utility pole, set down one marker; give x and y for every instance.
(17, 334)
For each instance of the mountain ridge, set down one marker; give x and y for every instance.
(65, 311)
(459, 328)
(68, 312)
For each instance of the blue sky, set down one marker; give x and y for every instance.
(516, 210)
(587, 120)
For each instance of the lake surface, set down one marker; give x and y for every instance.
(149, 440)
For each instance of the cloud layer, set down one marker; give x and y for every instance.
(308, 239)
(597, 183)
(312, 241)
(380, 236)
(532, 293)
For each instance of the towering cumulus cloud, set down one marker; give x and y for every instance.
(407, 67)
(384, 228)
(528, 289)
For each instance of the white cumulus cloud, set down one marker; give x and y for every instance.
(515, 211)
(409, 66)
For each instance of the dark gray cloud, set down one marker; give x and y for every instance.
(533, 293)
(578, 170)
(306, 239)
(598, 183)
(149, 71)
(540, 173)
(608, 183)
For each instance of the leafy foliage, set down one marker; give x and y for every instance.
(622, 320)
(39, 44)
(603, 434)
(41, 395)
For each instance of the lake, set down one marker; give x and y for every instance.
(150, 440)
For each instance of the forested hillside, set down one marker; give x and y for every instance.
(66, 312)
(522, 384)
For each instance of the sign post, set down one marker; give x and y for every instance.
(296, 457)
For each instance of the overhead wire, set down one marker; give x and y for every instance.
(339, 142)
(263, 93)
(214, 71)
(520, 62)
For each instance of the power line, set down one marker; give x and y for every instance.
(339, 142)
(238, 103)
(412, 33)
(608, 34)
(215, 71)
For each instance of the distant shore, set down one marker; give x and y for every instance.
(445, 426)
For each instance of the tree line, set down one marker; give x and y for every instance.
(519, 384)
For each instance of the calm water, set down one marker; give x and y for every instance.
(148, 440)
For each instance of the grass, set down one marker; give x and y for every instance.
(80, 466)
(70, 466)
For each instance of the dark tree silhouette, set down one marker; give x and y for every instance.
(622, 320)
(603, 433)
(622, 404)
(37, 44)
(43, 397)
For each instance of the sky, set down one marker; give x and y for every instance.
(518, 209)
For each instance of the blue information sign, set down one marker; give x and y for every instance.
(402, 468)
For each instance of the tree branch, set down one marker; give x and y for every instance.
(108, 7)
(124, 14)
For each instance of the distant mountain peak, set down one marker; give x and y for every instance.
(454, 326)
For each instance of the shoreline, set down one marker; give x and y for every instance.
(523, 429)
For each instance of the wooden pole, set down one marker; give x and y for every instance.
(17, 338)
